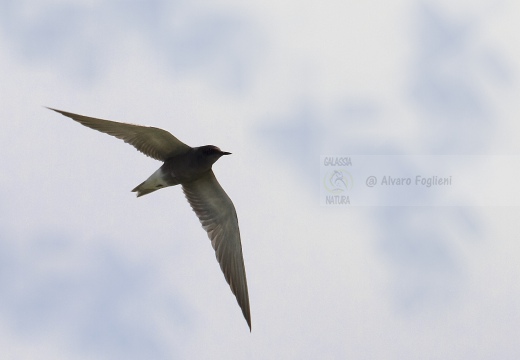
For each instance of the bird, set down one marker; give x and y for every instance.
(191, 167)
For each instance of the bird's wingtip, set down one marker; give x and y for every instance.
(58, 111)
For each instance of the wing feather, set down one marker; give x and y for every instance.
(151, 141)
(218, 217)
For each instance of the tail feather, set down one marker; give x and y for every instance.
(142, 190)
(155, 182)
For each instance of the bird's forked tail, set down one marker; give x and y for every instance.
(154, 182)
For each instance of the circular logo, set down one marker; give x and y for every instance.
(337, 181)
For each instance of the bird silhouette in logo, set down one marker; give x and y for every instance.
(337, 181)
(191, 168)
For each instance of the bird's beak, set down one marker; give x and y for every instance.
(225, 153)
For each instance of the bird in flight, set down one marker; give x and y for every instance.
(191, 168)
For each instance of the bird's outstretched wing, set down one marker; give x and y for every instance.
(219, 218)
(154, 142)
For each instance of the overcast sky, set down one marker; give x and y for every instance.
(87, 271)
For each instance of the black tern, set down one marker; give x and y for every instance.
(191, 168)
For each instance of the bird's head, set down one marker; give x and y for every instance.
(212, 153)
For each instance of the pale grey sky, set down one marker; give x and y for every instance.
(89, 271)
